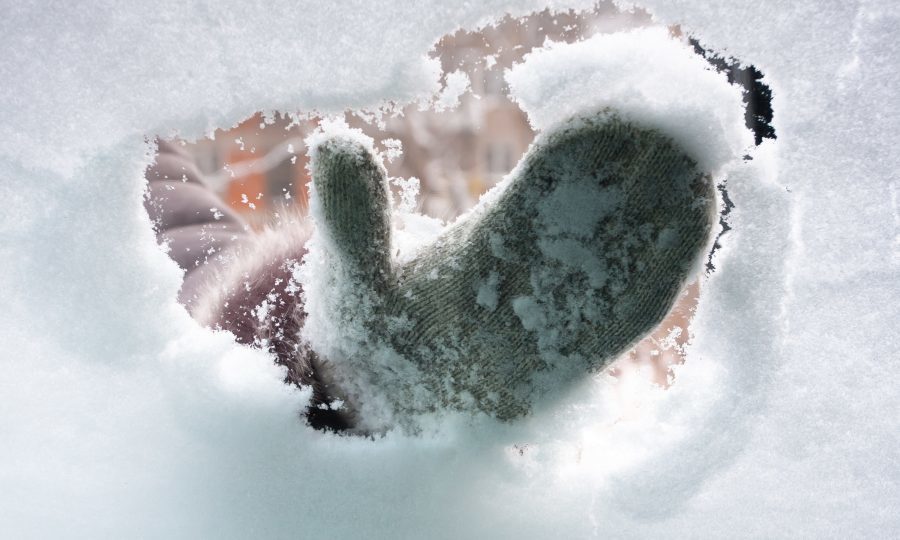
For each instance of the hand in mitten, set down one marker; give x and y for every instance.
(577, 255)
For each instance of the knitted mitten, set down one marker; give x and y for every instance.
(576, 256)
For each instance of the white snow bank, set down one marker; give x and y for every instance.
(120, 417)
(647, 77)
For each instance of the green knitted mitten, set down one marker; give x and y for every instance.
(575, 257)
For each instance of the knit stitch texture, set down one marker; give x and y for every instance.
(574, 258)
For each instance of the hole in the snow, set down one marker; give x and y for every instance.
(212, 195)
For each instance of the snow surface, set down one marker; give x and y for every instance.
(648, 79)
(120, 417)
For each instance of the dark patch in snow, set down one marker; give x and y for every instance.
(757, 96)
(723, 222)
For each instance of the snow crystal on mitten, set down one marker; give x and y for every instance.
(576, 256)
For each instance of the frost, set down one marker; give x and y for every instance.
(409, 191)
(457, 84)
(120, 414)
(529, 312)
(486, 292)
(393, 148)
(577, 211)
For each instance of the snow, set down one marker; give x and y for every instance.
(486, 294)
(457, 84)
(121, 417)
(647, 78)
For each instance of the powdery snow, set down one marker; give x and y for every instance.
(647, 78)
(121, 417)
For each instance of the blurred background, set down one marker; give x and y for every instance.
(456, 148)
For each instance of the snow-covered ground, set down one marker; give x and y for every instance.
(120, 417)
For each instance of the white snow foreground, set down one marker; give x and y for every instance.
(120, 417)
